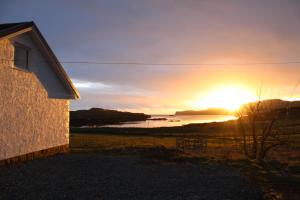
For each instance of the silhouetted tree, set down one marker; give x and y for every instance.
(262, 128)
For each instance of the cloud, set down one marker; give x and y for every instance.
(90, 85)
(170, 31)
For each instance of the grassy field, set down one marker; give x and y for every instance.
(222, 147)
(79, 142)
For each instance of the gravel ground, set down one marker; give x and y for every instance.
(110, 177)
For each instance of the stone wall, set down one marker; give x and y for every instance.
(29, 120)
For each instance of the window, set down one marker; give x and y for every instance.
(21, 56)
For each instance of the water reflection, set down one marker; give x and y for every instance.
(176, 120)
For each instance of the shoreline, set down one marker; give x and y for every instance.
(191, 129)
(162, 121)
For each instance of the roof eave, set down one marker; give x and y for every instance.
(30, 26)
(60, 68)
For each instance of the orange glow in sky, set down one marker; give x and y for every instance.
(230, 97)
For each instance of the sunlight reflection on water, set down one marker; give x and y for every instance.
(177, 120)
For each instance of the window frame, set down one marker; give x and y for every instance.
(27, 49)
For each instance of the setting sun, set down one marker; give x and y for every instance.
(230, 97)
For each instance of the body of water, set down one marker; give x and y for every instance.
(176, 120)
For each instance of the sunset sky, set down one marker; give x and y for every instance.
(232, 45)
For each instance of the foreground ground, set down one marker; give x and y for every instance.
(114, 176)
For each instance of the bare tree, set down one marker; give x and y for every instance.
(262, 127)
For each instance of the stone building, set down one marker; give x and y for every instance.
(35, 92)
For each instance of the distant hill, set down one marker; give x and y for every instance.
(274, 104)
(99, 116)
(210, 111)
(281, 107)
(266, 105)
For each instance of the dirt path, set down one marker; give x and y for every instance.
(110, 177)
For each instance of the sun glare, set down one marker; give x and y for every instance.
(228, 97)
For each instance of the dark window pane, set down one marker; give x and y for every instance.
(21, 57)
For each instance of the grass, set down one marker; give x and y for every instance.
(81, 142)
(93, 142)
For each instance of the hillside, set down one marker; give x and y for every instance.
(265, 105)
(290, 109)
(274, 104)
(99, 116)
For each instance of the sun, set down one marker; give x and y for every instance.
(230, 97)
